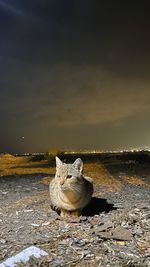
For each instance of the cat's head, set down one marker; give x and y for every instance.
(69, 174)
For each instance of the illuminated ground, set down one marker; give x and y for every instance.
(121, 198)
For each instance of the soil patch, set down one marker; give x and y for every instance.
(114, 230)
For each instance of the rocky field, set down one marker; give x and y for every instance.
(114, 230)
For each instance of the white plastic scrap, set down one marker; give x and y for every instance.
(24, 256)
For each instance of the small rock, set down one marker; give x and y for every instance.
(2, 241)
(4, 193)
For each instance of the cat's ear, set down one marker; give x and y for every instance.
(58, 162)
(78, 164)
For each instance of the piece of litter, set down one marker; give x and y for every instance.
(120, 243)
(24, 256)
(46, 223)
(28, 210)
(34, 224)
(4, 193)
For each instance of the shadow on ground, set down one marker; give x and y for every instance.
(96, 206)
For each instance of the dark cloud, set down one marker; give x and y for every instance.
(72, 67)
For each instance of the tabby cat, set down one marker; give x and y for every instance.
(70, 191)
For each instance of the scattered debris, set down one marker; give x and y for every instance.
(24, 256)
(35, 224)
(27, 210)
(4, 193)
(120, 243)
(116, 230)
(45, 224)
(118, 233)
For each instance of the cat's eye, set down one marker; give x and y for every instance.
(69, 176)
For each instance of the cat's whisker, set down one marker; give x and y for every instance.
(75, 188)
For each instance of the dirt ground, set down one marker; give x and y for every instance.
(113, 231)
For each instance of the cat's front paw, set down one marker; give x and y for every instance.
(64, 213)
(67, 213)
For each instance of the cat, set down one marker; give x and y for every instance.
(70, 191)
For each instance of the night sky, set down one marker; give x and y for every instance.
(74, 74)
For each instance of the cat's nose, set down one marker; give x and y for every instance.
(69, 176)
(62, 181)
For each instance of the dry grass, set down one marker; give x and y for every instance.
(101, 176)
(133, 180)
(14, 165)
(11, 165)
